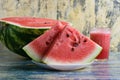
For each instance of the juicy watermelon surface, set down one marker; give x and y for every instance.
(71, 47)
(16, 32)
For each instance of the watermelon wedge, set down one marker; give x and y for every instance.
(37, 48)
(16, 32)
(71, 48)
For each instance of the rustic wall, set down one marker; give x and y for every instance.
(83, 14)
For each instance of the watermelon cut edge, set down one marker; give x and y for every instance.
(38, 23)
(95, 53)
(31, 54)
(23, 26)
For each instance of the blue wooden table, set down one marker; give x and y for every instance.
(14, 67)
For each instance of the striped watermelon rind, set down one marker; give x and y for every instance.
(14, 36)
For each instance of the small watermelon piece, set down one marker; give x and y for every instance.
(71, 48)
(38, 47)
(16, 32)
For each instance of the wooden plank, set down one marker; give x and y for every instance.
(13, 66)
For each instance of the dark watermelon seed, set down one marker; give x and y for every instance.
(72, 49)
(75, 44)
(46, 22)
(47, 43)
(79, 41)
(85, 40)
(67, 35)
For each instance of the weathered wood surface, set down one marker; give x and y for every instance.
(14, 67)
(83, 14)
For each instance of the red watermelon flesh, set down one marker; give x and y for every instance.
(37, 48)
(32, 21)
(71, 48)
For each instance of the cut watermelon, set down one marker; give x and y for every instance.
(68, 48)
(71, 48)
(31, 22)
(16, 32)
(37, 48)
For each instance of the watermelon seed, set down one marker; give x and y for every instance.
(67, 35)
(79, 41)
(72, 49)
(85, 40)
(47, 43)
(46, 22)
(75, 44)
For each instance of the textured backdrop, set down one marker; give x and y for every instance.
(83, 14)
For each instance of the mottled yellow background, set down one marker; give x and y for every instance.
(83, 14)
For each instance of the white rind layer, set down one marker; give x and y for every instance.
(31, 53)
(94, 54)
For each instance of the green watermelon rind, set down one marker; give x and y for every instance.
(14, 37)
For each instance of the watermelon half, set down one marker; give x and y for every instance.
(16, 32)
(69, 47)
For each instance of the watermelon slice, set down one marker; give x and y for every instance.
(71, 48)
(38, 47)
(68, 48)
(16, 32)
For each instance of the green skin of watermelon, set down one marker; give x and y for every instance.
(14, 37)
